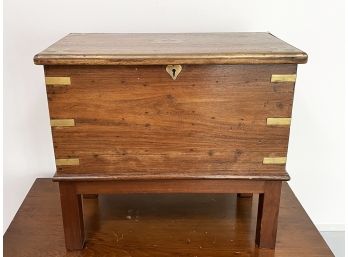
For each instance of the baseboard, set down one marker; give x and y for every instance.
(330, 227)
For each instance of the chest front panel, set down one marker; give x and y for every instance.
(211, 120)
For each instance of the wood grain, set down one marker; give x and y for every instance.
(209, 122)
(216, 225)
(164, 49)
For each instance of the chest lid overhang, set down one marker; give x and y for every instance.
(170, 48)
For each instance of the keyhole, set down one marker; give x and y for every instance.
(173, 70)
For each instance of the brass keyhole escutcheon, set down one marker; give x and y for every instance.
(174, 70)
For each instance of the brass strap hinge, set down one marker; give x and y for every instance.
(277, 78)
(62, 123)
(274, 160)
(57, 81)
(278, 121)
(68, 162)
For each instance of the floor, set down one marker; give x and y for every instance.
(335, 240)
(162, 225)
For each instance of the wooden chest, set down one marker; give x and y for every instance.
(159, 113)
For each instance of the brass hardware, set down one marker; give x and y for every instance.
(173, 70)
(274, 160)
(68, 162)
(278, 121)
(57, 81)
(62, 123)
(283, 78)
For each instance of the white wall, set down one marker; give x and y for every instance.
(316, 154)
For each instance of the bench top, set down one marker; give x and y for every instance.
(128, 175)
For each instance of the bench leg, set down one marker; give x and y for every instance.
(71, 203)
(267, 218)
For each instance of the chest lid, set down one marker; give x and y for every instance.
(163, 49)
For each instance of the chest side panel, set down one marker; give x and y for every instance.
(129, 120)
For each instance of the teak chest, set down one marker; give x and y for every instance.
(170, 113)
